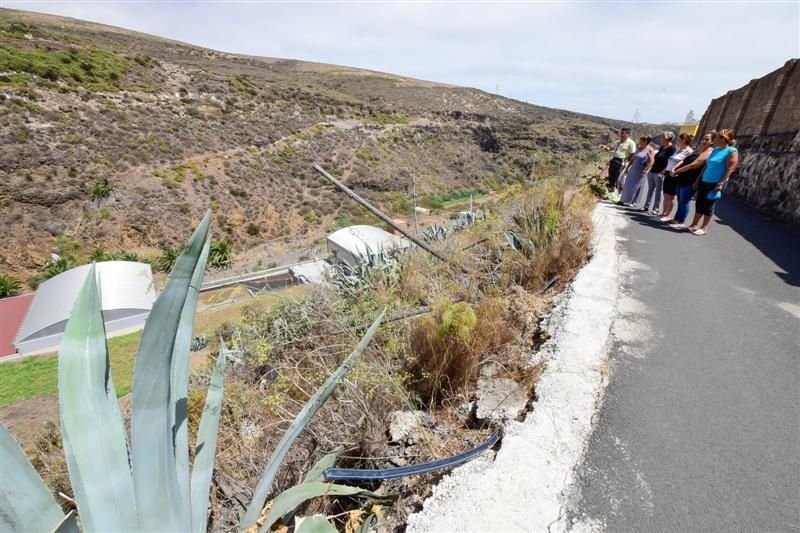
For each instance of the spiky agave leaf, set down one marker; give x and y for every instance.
(26, 503)
(95, 442)
(308, 411)
(289, 499)
(179, 376)
(158, 496)
(206, 447)
(314, 524)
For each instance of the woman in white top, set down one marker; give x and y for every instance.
(670, 181)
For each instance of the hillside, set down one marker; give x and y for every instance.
(175, 129)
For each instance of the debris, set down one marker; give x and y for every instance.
(405, 426)
(500, 399)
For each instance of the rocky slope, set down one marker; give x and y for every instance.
(176, 129)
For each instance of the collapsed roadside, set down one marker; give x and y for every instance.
(435, 371)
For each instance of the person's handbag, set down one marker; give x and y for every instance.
(714, 194)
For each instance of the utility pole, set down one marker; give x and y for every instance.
(414, 200)
(636, 116)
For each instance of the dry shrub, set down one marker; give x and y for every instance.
(448, 346)
(549, 229)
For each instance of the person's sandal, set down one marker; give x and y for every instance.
(699, 232)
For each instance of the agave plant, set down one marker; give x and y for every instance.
(382, 264)
(150, 484)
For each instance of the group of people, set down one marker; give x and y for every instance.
(677, 171)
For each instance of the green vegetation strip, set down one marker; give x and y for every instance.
(38, 376)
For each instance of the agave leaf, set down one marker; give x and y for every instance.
(179, 376)
(94, 437)
(69, 524)
(308, 411)
(289, 499)
(158, 496)
(313, 524)
(205, 451)
(26, 503)
(317, 472)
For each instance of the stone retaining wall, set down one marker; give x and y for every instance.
(765, 114)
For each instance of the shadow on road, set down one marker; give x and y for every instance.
(779, 242)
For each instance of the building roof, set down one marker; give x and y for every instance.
(310, 271)
(126, 287)
(12, 313)
(362, 240)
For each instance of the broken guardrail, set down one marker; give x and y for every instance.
(336, 474)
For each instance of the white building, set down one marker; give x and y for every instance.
(354, 243)
(127, 294)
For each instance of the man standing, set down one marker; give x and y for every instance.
(623, 152)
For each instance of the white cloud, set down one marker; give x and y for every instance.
(605, 58)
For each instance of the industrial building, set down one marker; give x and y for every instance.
(354, 244)
(127, 294)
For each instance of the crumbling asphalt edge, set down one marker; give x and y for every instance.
(526, 486)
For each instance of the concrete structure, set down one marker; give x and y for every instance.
(765, 114)
(12, 313)
(353, 244)
(127, 294)
(310, 271)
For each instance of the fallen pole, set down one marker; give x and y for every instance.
(377, 212)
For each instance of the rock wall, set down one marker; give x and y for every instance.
(765, 114)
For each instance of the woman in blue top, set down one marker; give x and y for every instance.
(719, 167)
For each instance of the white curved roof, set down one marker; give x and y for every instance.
(362, 240)
(122, 285)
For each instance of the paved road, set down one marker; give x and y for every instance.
(700, 426)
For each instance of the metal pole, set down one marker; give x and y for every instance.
(414, 199)
(375, 211)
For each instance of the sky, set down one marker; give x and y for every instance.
(603, 58)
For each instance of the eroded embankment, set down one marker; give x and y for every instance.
(522, 489)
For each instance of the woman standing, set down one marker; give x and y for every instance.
(683, 151)
(687, 173)
(719, 167)
(655, 177)
(641, 162)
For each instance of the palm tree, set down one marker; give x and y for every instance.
(9, 286)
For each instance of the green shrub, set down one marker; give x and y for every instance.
(220, 254)
(99, 189)
(9, 286)
(94, 68)
(385, 119)
(57, 266)
(253, 229)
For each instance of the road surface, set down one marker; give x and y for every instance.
(699, 429)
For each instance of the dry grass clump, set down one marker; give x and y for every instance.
(450, 343)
